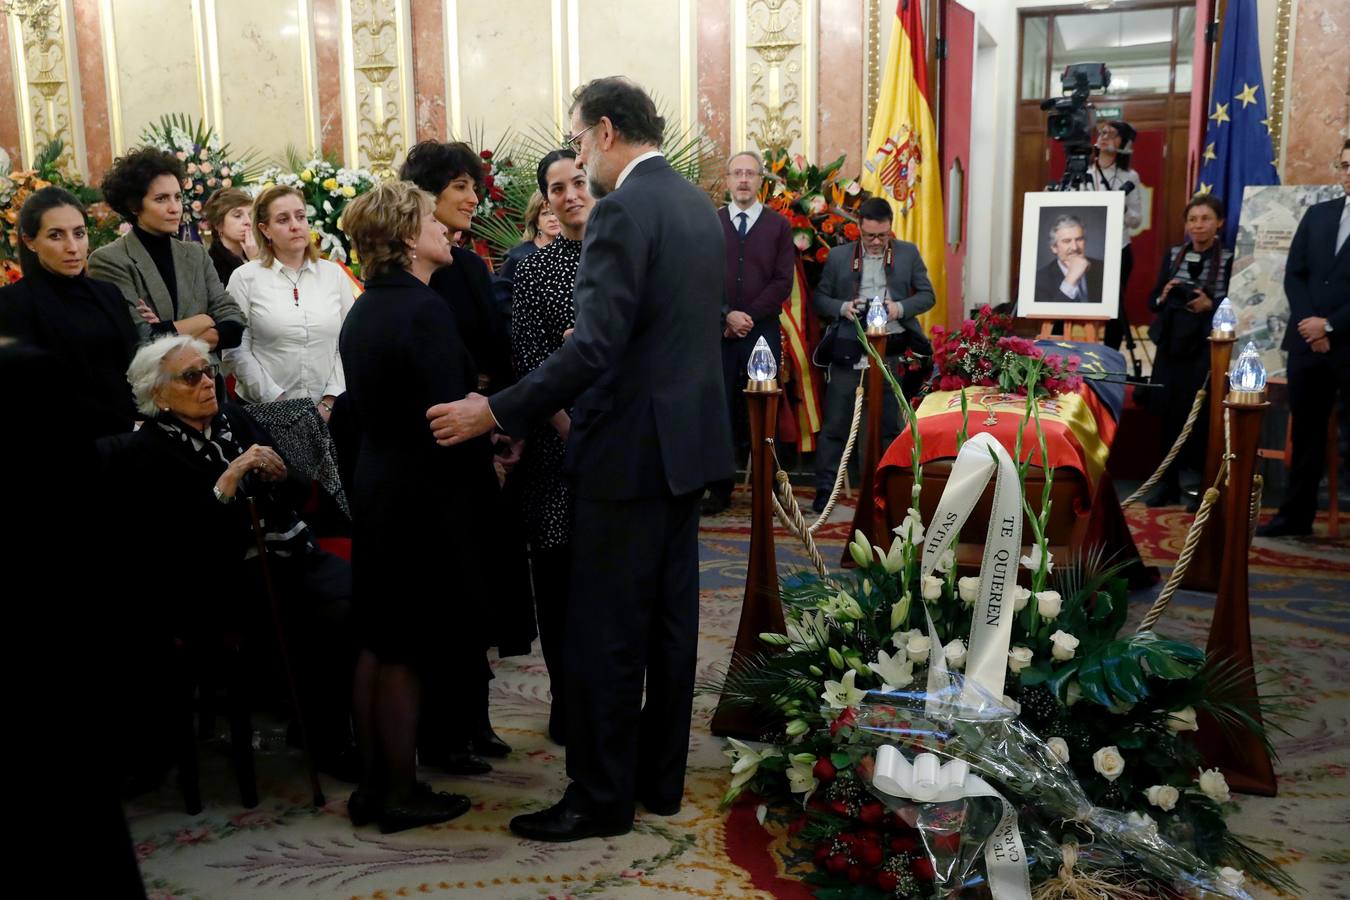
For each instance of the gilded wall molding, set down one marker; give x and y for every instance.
(47, 83)
(1278, 77)
(776, 67)
(873, 64)
(377, 92)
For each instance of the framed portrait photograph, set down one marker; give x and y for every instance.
(1071, 245)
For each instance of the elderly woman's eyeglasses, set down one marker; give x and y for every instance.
(573, 141)
(193, 377)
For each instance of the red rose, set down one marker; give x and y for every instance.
(837, 864)
(839, 808)
(886, 881)
(486, 154)
(922, 868)
(855, 874)
(869, 855)
(904, 843)
(871, 813)
(795, 828)
(822, 853)
(947, 843)
(824, 769)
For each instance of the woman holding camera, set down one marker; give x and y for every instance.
(1193, 279)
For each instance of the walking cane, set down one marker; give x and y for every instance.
(285, 655)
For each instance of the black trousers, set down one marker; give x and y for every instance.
(1314, 382)
(632, 614)
(839, 416)
(552, 571)
(735, 358)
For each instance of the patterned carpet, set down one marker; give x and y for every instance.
(1300, 594)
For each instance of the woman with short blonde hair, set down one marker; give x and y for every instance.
(414, 504)
(295, 303)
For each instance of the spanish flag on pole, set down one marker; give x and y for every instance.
(903, 164)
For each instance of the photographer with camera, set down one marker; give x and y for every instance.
(1112, 172)
(1192, 281)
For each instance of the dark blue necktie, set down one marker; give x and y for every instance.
(740, 229)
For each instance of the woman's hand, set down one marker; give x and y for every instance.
(249, 245)
(146, 312)
(562, 423)
(263, 460)
(1200, 303)
(325, 406)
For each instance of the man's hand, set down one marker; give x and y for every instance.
(1321, 345)
(1075, 269)
(1312, 328)
(460, 421)
(1200, 303)
(514, 449)
(892, 311)
(849, 310)
(739, 323)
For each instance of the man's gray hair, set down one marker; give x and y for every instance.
(146, 372)
(1063, 220)
(759, 163)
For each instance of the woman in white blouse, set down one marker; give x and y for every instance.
(295, 303)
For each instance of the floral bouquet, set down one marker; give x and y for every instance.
(17, 187)
(328, 188)
(1036, 652)
(984, 352)
(209, 163)
(819, 204)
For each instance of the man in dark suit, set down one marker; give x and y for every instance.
(642, 376)
(761, 262)
(875, 265)
(1317, 283)
(1072, 276)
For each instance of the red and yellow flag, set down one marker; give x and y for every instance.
(797, 349)
(903, 164)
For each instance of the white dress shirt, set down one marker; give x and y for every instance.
(290, 347)
(1110, 178)
(632, 165)
(1343, 231)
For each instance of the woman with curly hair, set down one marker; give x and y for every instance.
(171, 285)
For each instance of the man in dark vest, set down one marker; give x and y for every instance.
(760, 264)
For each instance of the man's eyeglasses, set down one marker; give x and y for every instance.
(574, 140)
(1341, 167)
(193, 377)
(870, 238)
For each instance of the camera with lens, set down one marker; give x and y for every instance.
(1073, 120)
(1187, 280)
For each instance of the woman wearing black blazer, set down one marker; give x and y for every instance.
(80, 321)
(416, 507)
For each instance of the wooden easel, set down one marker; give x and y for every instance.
(1094, 330)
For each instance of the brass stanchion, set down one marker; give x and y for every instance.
(761, 610)
(1203, 574)
(1240, 755)
(865, 516)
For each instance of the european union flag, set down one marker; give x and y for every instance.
(1237, 140)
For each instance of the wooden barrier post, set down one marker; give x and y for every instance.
(865, 516)
(1203, 573)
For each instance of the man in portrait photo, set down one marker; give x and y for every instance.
(1071, 276)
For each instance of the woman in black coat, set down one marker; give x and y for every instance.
(1191, 283)
(58, 308)
(415, 506)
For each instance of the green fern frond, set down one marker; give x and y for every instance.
(1240, 855)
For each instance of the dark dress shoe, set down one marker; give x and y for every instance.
(460, 762)
(560, 823)
(487, 743)
(1282, 527)
(363, 807)
(713, 505)
(421, 809)
(1163, 494)
(822, 499)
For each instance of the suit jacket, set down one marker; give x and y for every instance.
(1317, 278)
(126, 263)
(642, 373)
(466, 285)
(907, 283)
(1049, 277)
(96, 357)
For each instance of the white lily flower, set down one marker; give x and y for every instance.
(895, 671)
(946, 559)
(900, 611)
(893, 560)
(802, 778)
(746, 760)
(1033, 562)
(842, 608)
(810, 633)
(842, 694)
(911, 529)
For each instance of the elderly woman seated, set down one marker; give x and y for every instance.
(186, 475)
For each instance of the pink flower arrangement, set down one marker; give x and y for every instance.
(984, 352)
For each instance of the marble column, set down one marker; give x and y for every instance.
(428, 52)
(714, 73)
(88, 48)
(1318, 92)
(328, 62)
(840, 104)
(9, 109)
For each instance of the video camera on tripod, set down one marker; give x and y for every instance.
(1073, 121)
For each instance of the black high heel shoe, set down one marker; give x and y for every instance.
(487, 743)
(422, 809)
